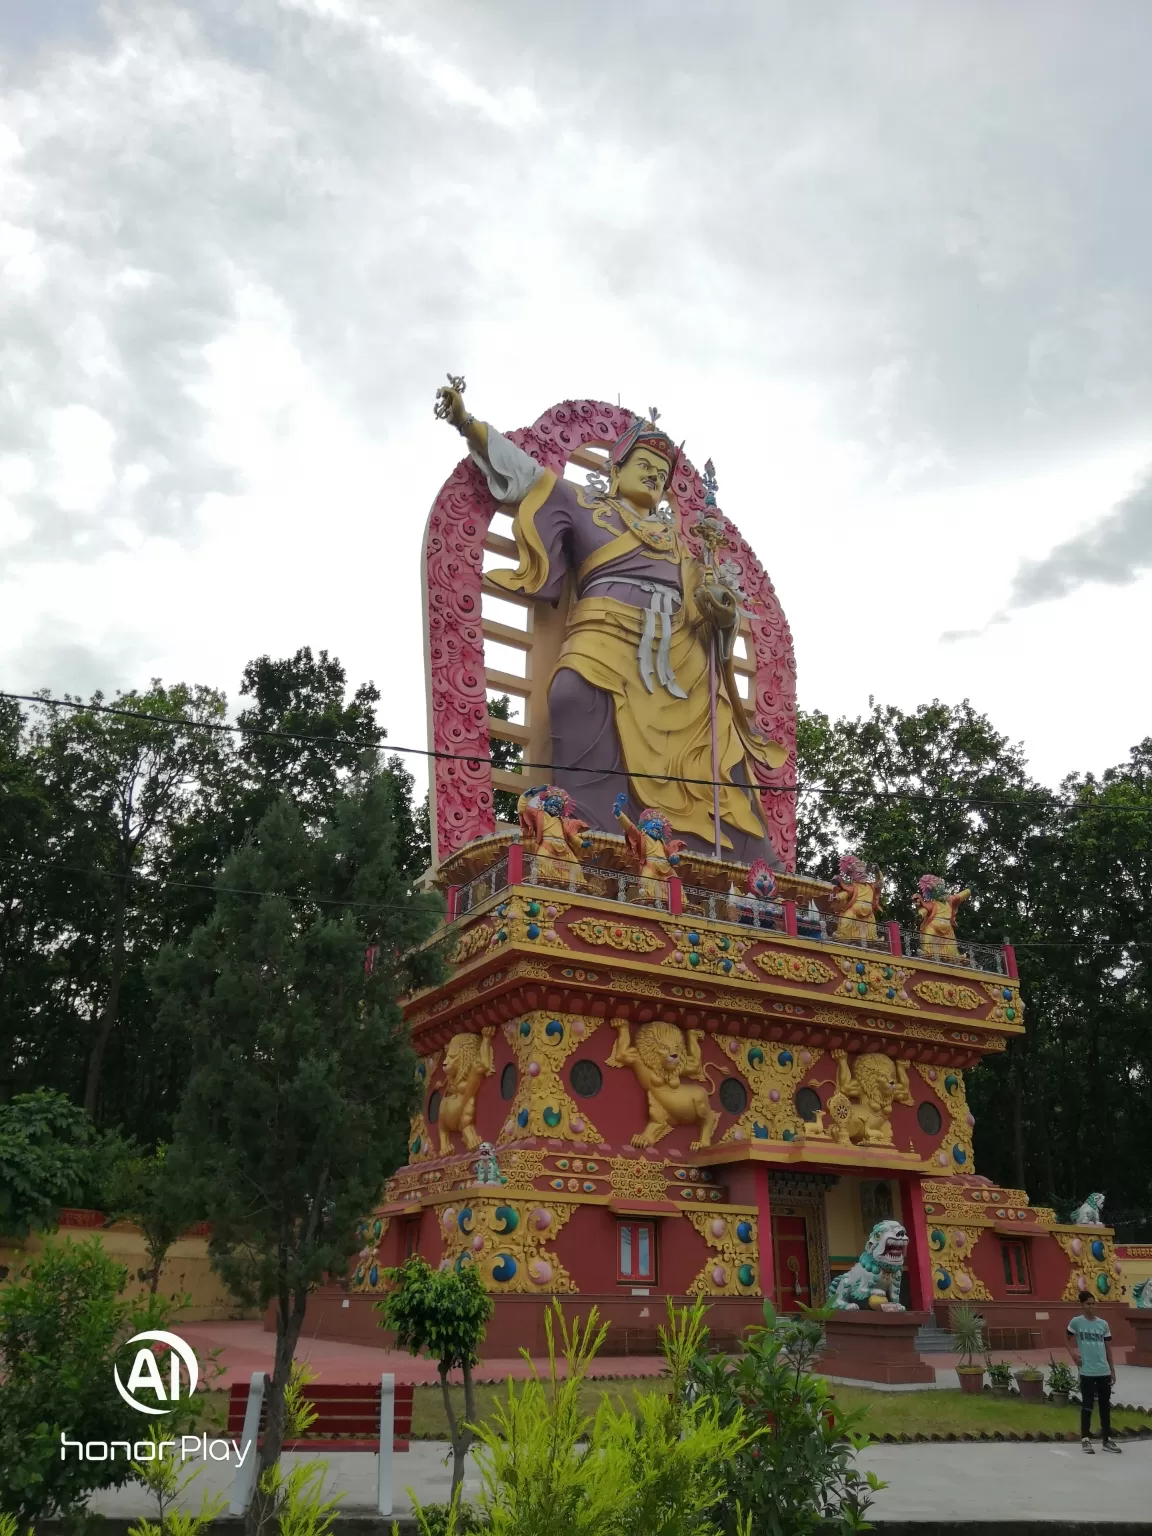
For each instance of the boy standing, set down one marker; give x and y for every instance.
(1091, 1350)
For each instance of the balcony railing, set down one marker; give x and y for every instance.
(675, 898)
(729, 907)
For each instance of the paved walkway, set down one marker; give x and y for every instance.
(245, 1347)
(926, 1482)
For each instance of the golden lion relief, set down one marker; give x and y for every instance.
(875, 1085)
(467, 1062)
(660, 1059)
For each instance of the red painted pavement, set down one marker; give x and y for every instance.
(244, 1347)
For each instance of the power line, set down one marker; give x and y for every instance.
(200, 885)
(1039, 799)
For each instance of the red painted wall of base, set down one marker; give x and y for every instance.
(1052, 1330)
(518, 1321)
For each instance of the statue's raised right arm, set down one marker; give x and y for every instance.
(509, 471)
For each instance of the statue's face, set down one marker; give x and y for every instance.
(641, 478)
(553, 805)
(653, 829)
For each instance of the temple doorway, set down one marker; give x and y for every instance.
(790, 1250)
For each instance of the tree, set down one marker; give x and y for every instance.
(147, 1189)
(62, 1326)
(127, 782)
(43, 1147)
(507, 755)
(441, 1313)
(302, 1083)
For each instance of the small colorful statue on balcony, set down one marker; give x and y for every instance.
(656, 851)
(487, 1167)
(856, 901)
(936, 907)
(750, 909)
(551, 832)
(1090, 1214)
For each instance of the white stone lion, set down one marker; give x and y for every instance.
(1142, 1294)
(874, 1280)
(1090, 1213)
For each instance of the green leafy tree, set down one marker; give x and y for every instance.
(145, 1188)
(62, 1326)
(441, 1313)
(43, 1160)
(302, 1086)
(796, 1473)
(127, 782)
(507, 755)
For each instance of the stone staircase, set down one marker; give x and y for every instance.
(933, 1340)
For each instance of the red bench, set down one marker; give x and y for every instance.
(348, 1418)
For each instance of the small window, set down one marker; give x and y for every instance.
(586, 1078)
(1014, 1257)
(928, 1118)
(509, 1081)
(636, 1250)
(733, 1096)
(808, 1104)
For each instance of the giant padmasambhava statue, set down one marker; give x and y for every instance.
(645, 672)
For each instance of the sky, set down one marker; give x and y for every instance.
(888, 264)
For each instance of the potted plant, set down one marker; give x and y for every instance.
(967, 1340)
(1030, 1383)
(1061, 1381)
(1000, 1375)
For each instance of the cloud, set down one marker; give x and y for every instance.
(930, 221)
(1113, 552)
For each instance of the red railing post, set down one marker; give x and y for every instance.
(675, 897)
(894, 941)
(453, 895)
(790, 919)
(1010, 961)
(515, 863)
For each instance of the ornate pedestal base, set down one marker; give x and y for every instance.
(876, 1346)
(1141, 1322)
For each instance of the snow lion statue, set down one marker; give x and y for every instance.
(1090, 1214)
(874, 1280)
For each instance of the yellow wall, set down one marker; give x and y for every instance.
(846, 1231)
(845, 1227)
(186, 1269)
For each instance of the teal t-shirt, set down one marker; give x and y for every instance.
(1090, 1334)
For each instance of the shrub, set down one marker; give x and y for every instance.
(795, 1475)
(549, 1470)
(1061, 1377)
(61, 1327)
(1000, 1373)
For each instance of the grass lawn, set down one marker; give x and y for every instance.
(945, 1412)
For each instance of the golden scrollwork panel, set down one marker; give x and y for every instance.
(506, 1240)
(542, 1043)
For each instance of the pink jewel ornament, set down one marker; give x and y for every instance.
(533, 1069)
(1077, 1246)
(541, 1219)
(717, 1227)
(774, 1095)
(540, 1271)
(719, 1274)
